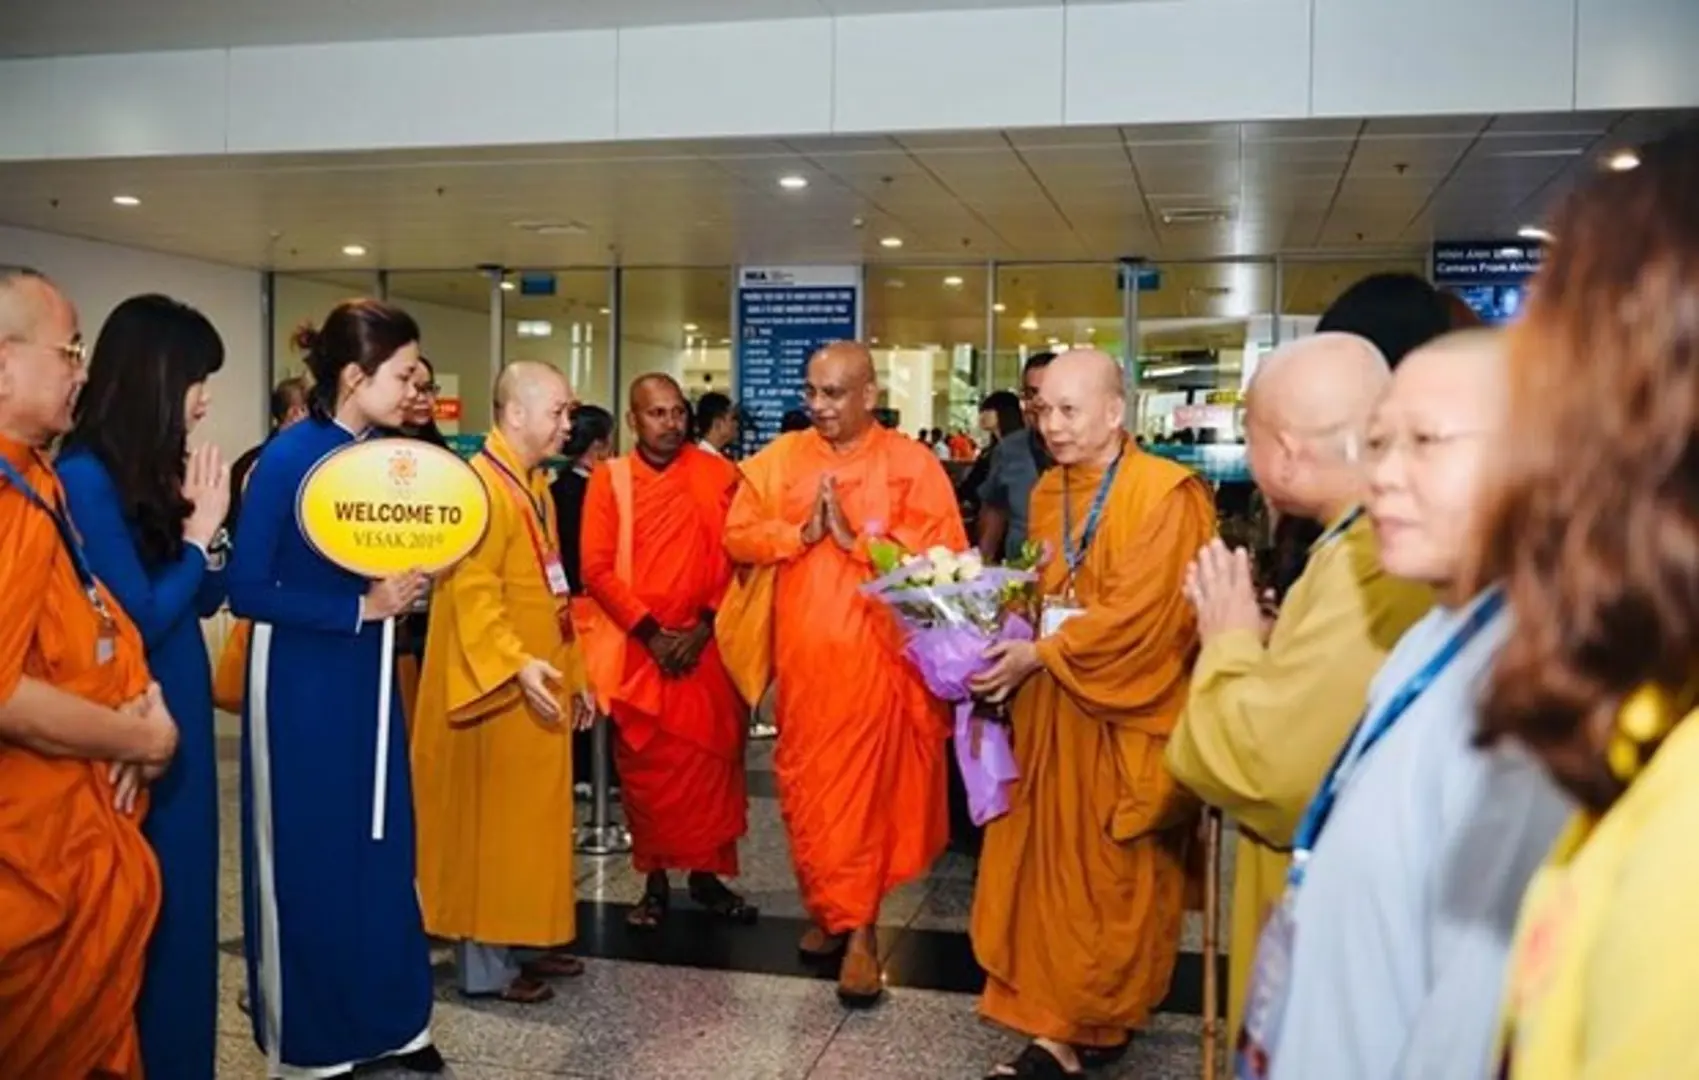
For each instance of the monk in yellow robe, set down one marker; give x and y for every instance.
(81, 733)
(860, 754)
(1266, 718)
(1081, 889)
(501, 688)
(654, 562)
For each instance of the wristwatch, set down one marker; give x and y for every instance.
(218, 552)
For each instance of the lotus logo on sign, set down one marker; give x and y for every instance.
(378, 509)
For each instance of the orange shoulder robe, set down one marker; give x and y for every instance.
(79, 887)
(860, 754)
(1077, 912)
(680, 741)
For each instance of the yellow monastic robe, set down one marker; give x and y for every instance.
(1264, 723)
(492, 780)
(1077, 911)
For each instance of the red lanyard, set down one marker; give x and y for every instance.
(539, 542)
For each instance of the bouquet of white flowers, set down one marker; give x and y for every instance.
(953, 608)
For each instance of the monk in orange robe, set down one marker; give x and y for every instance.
(81, 733)
(653, 561)
(1077, 910)
(860, 754)
(501, 688)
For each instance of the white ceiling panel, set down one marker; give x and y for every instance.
(1290, 188)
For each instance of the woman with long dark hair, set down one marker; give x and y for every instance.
(1595, 538)
(338, 965)
(151, 516)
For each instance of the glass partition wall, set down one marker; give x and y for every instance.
(943, 336)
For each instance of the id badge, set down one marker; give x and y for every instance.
(1056, 614)
(556, 573)
(105, 648)
(1265, 1003)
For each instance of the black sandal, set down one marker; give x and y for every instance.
(649, 914)
(1034, 1063)
(712, 895)
(1097, 1057)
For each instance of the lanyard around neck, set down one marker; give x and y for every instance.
(67, 535)
(519, 488)
(1339, 529)
(1076, 555)
(1373, 727)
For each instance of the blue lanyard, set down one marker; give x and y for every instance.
(1375, 727)
(1339, 529)
(67, 535)
(1076, 555)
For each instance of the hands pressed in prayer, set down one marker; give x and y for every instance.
(394, 596)
(836, 524)
(538, 679)
(1220, 587)
(1012, 663)
(815, 529)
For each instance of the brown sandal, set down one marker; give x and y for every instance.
(521, 991)
(554, 965)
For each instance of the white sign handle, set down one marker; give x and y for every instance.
(386, 689)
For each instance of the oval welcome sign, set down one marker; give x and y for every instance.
(386, 506)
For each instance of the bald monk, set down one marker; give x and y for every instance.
(860, 755)
(1076, 914)
(501, 686)
(654, 562)
(1267, 713)
(81, 732)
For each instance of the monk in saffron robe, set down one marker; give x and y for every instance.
(1077, 910)
(81, 732)
(499, 692)
(860, 754)
(679, 722)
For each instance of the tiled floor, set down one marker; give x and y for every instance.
(703, 1000)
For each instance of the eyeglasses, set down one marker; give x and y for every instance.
(428, 388)
(73, 352)
(1419, 445)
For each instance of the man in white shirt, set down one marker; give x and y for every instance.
(716, 423)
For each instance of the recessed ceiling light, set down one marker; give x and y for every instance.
(126, 200)
(1029, 323)
(793, 183)
(353, 251)
(508, 286)
(690, 328)
(999, 308)
(891, 242)
(1055, 341)
(1534, 232)
(607, 311)
(1091, 331)
(953, 282)
(1623, 160)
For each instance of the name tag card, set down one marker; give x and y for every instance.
(556, 573)
(1056, 613)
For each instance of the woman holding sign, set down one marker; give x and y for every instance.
(338, 965)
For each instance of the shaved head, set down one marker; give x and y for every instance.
(1321, 382)
(659, 418)
(533, 410)
(1306, 413)
(841, 391)
(1081, 407)
(1430, 447)
(524, 379)
(42, 366)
